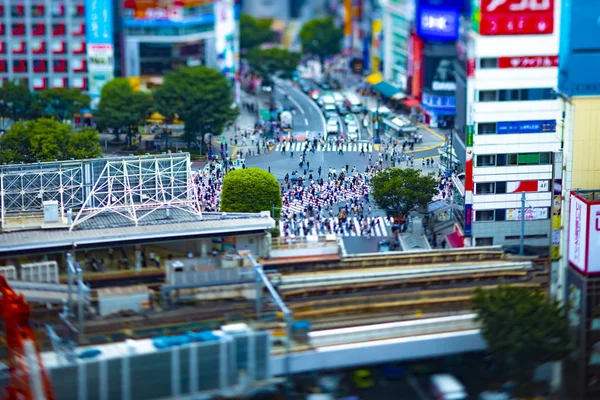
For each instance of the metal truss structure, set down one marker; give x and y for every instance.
(24, 188)
(136, 187)
(130, 186)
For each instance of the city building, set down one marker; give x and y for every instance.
(506, 119)
(577, 219)
(57, 44)
(398, 18)
(432, 58)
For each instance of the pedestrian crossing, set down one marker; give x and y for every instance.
(376, 227)
(325, 198)
(325, 147)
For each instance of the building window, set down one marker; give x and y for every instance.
(484, 215)
(484, 188)
(512, 159)
(17, 10)
(545, 159)
(488, 63)
(528, 159)
(500, 187)
(508, 95)
(500, 160)
(487, 241)
(486, 160)
(500, 215)
(517, 237)
(488, 95)
(486, 128)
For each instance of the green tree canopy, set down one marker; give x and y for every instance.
(398, 190)
(250, 190)
(121, 107)
(254, 32)
(271, 61)
(202, 99)
(321, 37)
(523, 329)
(60, 103)
(16, 101)
(46, 139)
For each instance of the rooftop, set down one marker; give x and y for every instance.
(110, 227)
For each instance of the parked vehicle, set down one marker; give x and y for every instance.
(332, 127)
(286, 119)
(447, 387)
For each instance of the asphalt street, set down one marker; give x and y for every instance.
(308, 117)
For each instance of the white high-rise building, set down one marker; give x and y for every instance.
(508, 119)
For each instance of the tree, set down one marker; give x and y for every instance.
(121, 108)
(15, 101)
(46, 139)
(250, 190)
(523, 329)
(60, 103)
(321, 37)
(254, 32)
(271, 61)
(398, 190)
(202, 99)
(84, 144)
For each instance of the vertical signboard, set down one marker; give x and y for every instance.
(417, 59)
(225, 27)
(577, 238)
(469, 180)
(376, 32)
(347, 26)
(100, 50)
(593, 239)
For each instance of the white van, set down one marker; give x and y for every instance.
(447, 387)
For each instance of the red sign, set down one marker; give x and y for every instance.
(471, 67)
(528, 62)
(516, 17)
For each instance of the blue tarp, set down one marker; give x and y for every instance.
(164, 342)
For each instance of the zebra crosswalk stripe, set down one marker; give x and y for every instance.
(326, 147)
(380, 228)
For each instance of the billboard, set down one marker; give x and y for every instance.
(100, 50)
(167, 13)
(540, 126)
(225, 33)
(583, 251)
(531, 213)
(439, 74)
(514, 17)
(438, 23)
(376, 33)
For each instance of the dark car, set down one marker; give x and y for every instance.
(342, 109)
(325, 86)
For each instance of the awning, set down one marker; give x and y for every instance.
(374, 79)
(455, 240)
(411, 102)
(386, 89)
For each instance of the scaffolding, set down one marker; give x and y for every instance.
(133, 187)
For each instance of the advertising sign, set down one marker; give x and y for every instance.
(166, 13)
(577, 236)
(439, 74)
(541, 126)
(100, 50)
(438, 23)
(515, 17)
(468, 219)
(417, 61)
(98, 18)
(376, 32)
(225, 27)
(593, 254)
(531, 213)
(527, 186)
(528, 62)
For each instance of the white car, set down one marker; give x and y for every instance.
(332, 126)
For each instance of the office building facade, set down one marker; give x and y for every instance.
(506, 120)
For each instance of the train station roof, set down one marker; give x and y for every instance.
(111, 229)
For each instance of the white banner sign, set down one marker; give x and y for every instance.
(514, 214)
(577, 242)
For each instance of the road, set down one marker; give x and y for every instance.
(308, 117)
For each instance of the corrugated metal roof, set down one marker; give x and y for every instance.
(107, 230)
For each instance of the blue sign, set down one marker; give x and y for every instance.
(438, 23)
(99, 21)
(432, 101)
(468, 219)
(195, 20)
(510, 127)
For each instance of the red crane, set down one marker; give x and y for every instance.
(28, 378)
